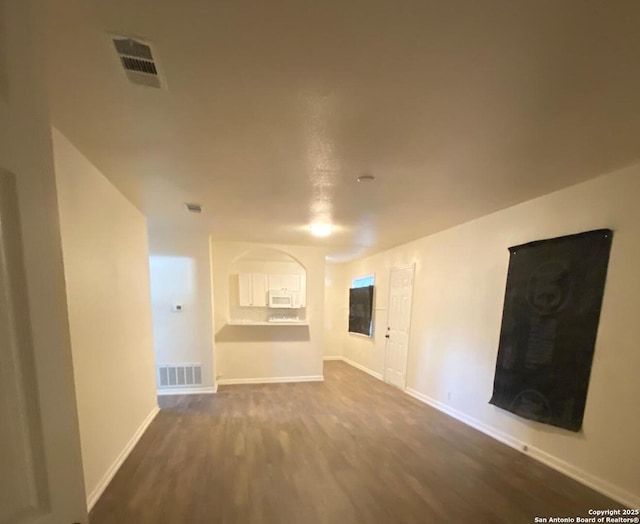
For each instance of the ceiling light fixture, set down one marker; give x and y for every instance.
(321, 229)
(366, 178)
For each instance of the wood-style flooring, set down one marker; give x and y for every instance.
(348, 450)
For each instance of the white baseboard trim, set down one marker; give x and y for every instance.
(597, 484)
(97, 492)
(327, 359)
(612, 491)
(606, 488)
(362, 368)
(187, 391)
(269, 380)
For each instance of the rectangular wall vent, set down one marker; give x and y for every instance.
(138, 61)
(179, 375)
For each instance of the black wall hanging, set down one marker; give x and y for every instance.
(361, 310)
(549, 325)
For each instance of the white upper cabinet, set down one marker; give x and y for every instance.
(285, 282)
(290, 282)
(254, 288)
(245, 289)
(259, 289)
(275, 282)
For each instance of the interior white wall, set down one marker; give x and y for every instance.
(270, 267)
(180, 273)
(336, 309)
(457, 309)
(104, 244)
(267, 352)
(26, 153)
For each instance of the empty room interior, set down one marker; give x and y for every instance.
(319, 262)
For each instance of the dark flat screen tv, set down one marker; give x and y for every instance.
(361, 310)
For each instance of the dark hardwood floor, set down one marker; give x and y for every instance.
(349, 450)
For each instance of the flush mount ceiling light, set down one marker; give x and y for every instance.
(192, 207)
(321, 229)
(366, 178)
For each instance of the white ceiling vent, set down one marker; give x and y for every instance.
(193, 207)
(136, 57)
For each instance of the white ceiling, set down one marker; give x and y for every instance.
(273, 108)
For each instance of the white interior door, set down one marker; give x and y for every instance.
(40, 464)
(398, 326)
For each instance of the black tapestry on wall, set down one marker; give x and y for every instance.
(549, 325)
(361, 310)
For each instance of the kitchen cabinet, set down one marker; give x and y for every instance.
(259, 289)
(244, 289)
(253, 288)
(285, 282)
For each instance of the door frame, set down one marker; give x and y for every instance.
(404, 267)
(35, 321)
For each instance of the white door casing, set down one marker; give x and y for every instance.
(41, 479)
(398, 326)
(21, 462)
(25, 473)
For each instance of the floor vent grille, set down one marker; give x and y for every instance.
(179, 375)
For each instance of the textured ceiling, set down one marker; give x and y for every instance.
(459, 108)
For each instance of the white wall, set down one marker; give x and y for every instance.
(269, 267)
(336, 310)
(104, 244)
(457, 308)
(26, 154)
(267, 352)
(180, 273)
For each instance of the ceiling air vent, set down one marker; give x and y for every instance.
(193, 208)
(137, 60)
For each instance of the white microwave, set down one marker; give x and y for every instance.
(283, 299)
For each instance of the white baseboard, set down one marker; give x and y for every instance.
(326, 359)
(589, 480)
(602, 486)
(606, 488)
(97, 492)
(362, 368)
(187, 391)
(269, 380)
